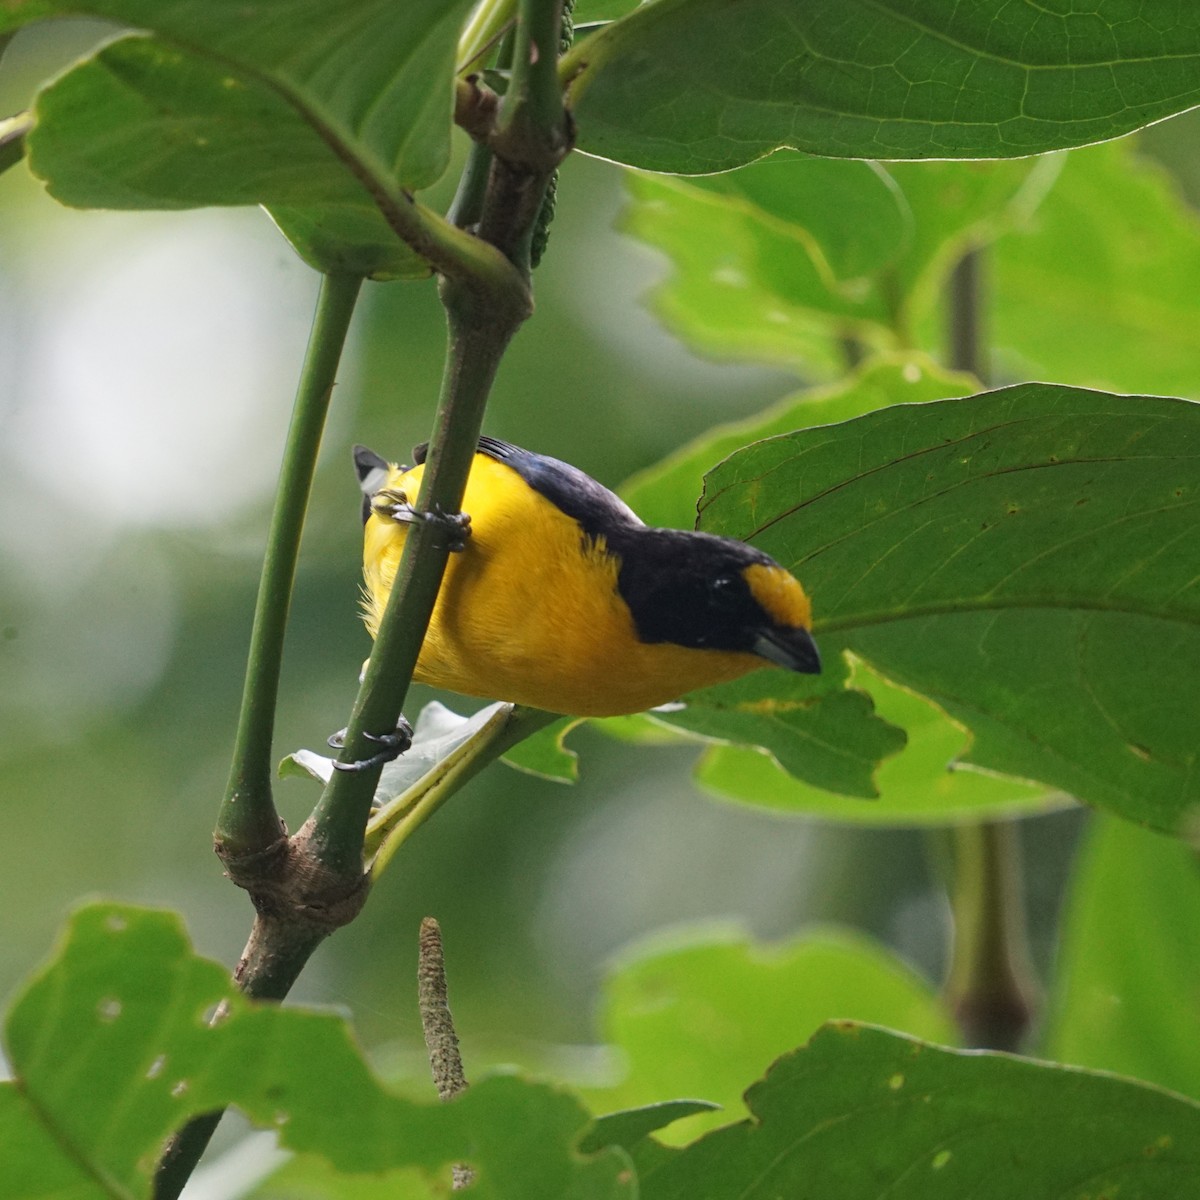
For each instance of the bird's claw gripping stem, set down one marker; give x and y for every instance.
(393, 505)
(392, 745)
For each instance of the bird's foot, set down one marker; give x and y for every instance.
(391, 746)
(393, 505)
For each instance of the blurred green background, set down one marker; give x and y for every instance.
(150, 361)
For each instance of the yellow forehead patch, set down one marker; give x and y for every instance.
(780, 594)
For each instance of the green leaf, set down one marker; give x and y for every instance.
(321, 111)
(1099, 287)
(545, 753)
(666, 493)
(631, 1125)
(754, 277)
(1025, 558)
(850, 215)
(862, 1113)
(695, 86)
(921, 785)
(602, 10)
(702, 1019)
(438, 734)
(348, 239)
(1129, 964)
(814, 729)
(111, 1050)
(306, 1177)
(957, 206)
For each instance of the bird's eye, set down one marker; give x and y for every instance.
(724, 593)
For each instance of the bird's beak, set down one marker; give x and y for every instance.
(791, 648)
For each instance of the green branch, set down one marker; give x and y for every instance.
(476, 343)
(537, 101)
(529, 143)
(247, 823)
(533, 134)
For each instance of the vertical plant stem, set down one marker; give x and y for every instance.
(965, 317)
(990, 984)
(530, 140)
(248, 827)
(474, 352)
(247, 822)
(532, 137)
(535, 86)
(260, 981)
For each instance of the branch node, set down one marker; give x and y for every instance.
(475, 108)
(289, 884)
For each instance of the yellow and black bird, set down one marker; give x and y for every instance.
(562, 599)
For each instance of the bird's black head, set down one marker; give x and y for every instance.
(713, 593)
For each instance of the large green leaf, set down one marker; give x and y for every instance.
(1026, 558)
(702, 1019)
(1099, 286)
(111, 1050)
(693, 86)
(316, 110)
(306, 1177)
(813, 726)
(756, 274)
(1129, 967)
(923, 784)
(852, 217)
(860, 1113)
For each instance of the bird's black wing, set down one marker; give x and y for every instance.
(579, 496)
(597, 510)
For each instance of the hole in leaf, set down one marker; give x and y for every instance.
(179, 1088)
(155, 1069)
(109, 1008)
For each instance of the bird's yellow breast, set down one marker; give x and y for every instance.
(529, 610)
